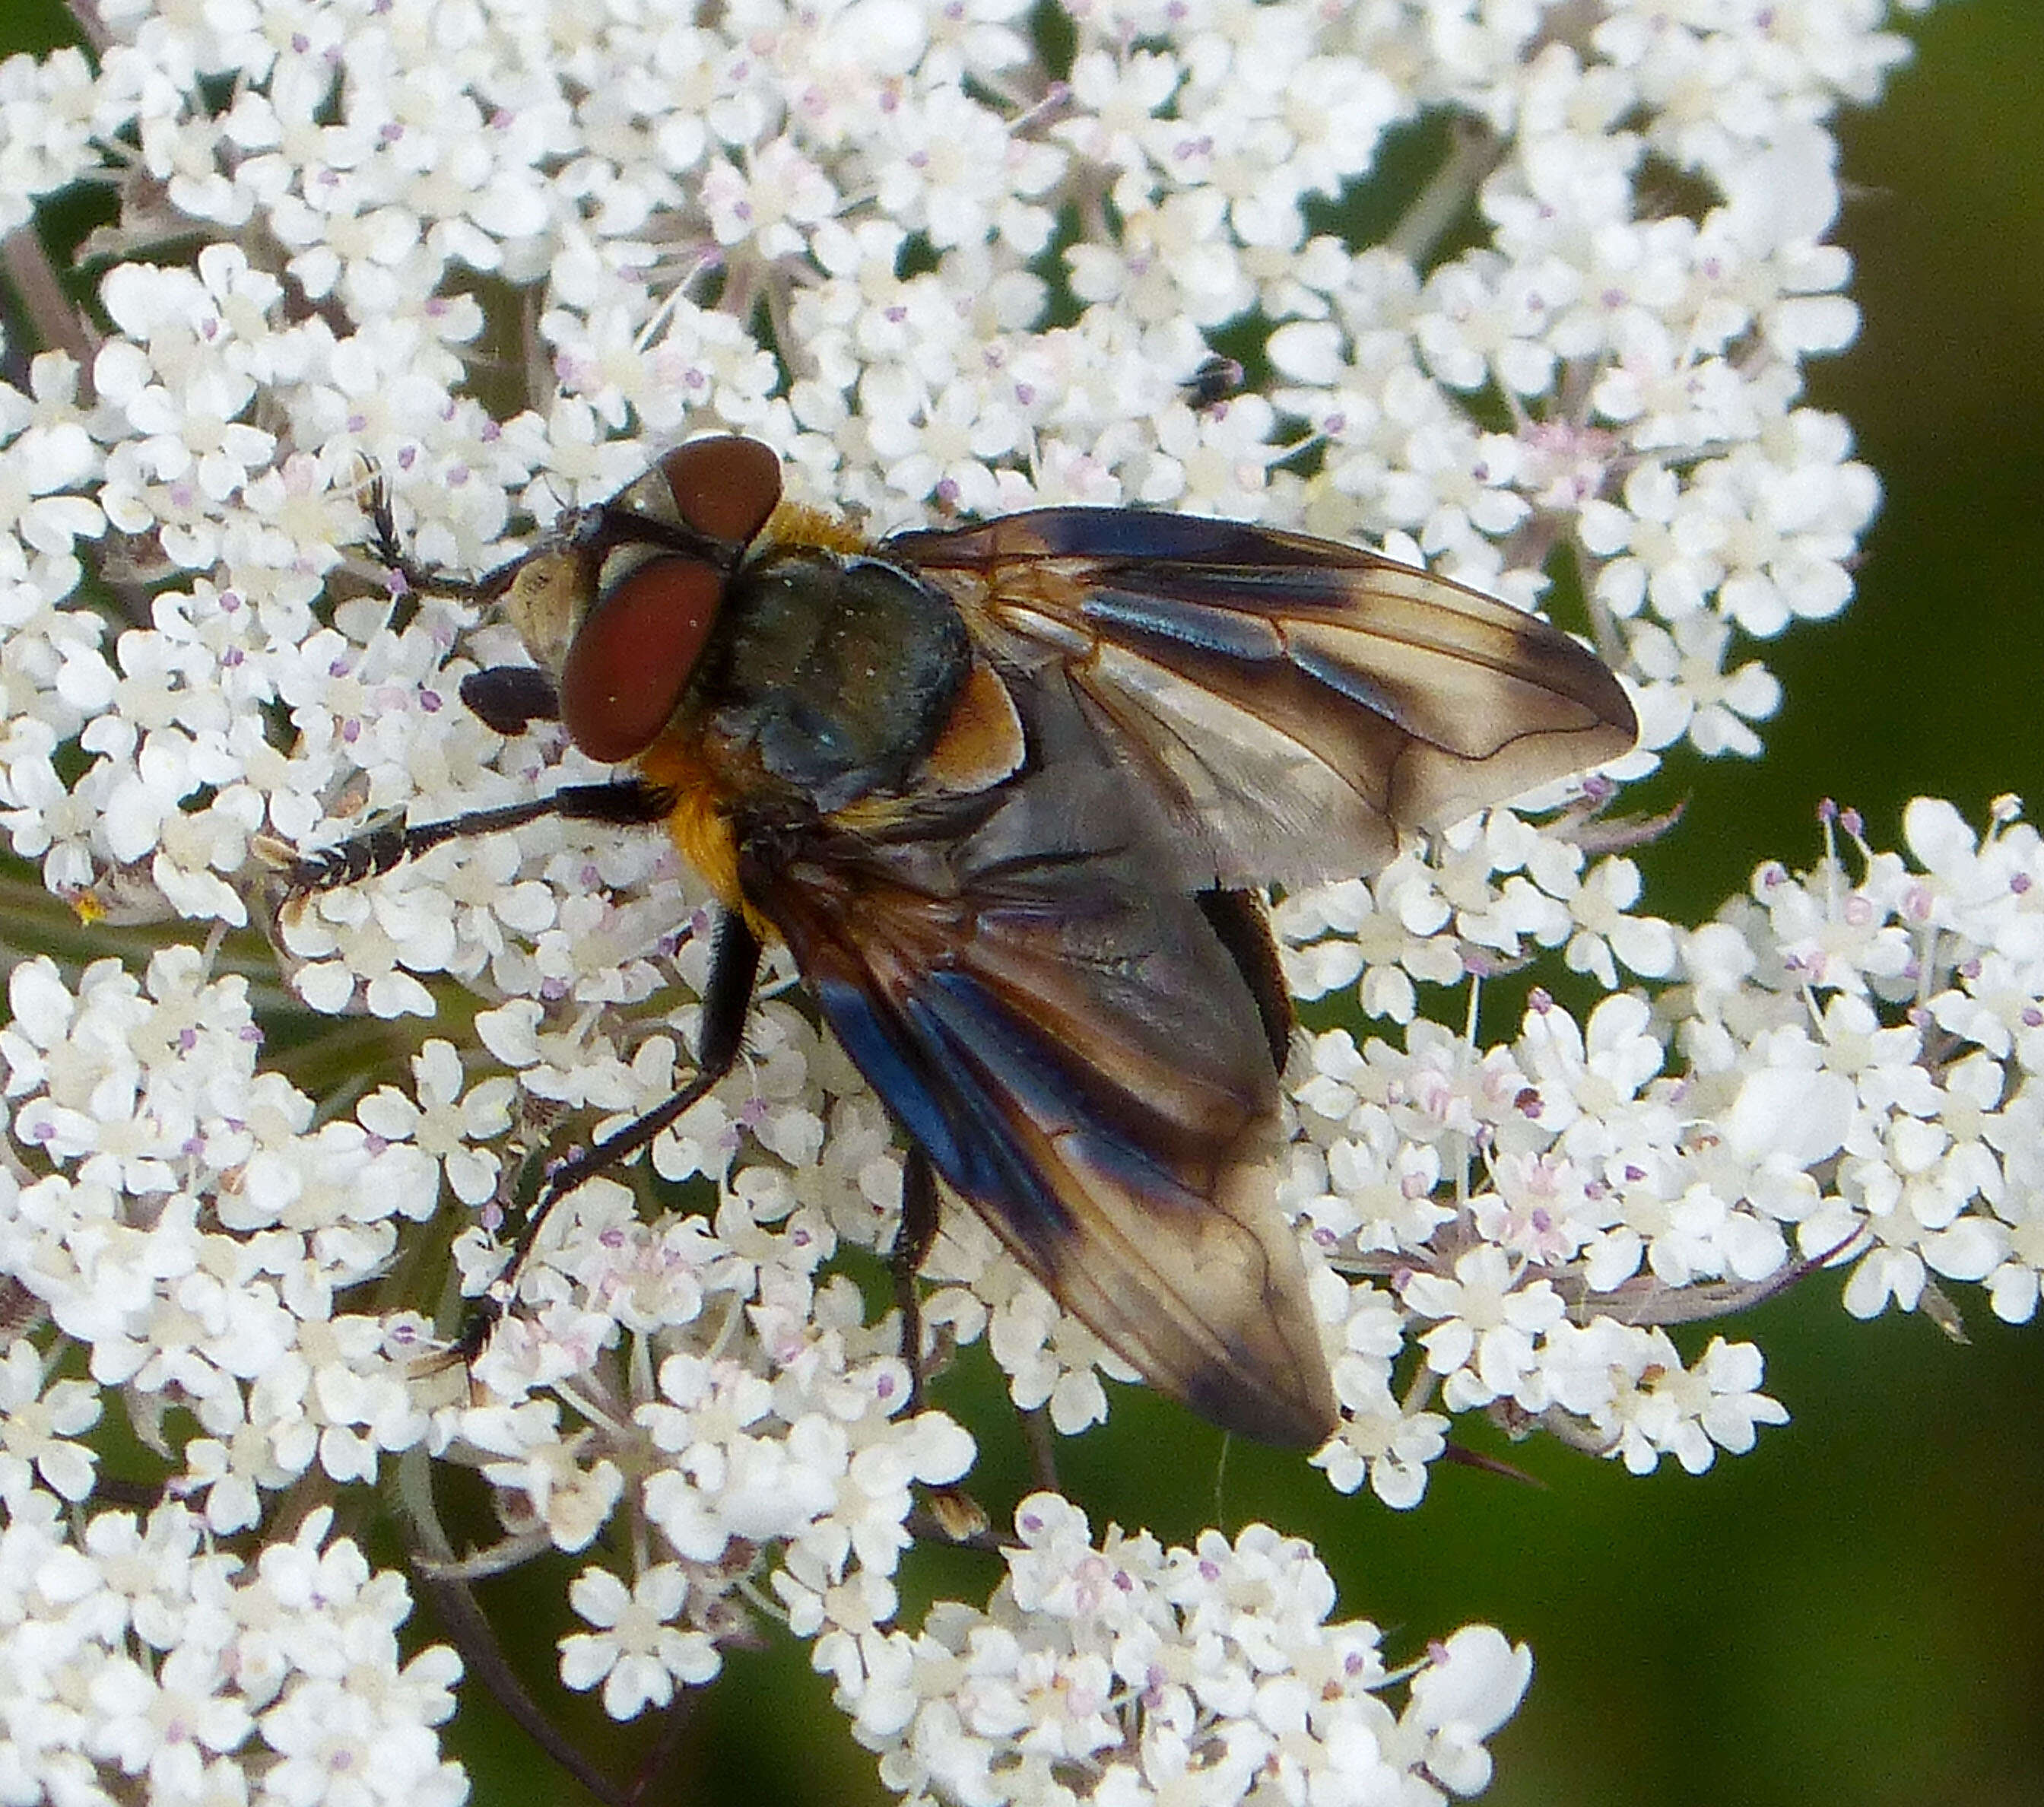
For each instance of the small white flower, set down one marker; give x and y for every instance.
(442, 1124)
(1473, 1683)
(637, 1653)
(36, 1427)
(1485, 1326)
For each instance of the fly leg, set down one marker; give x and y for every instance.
(627, 802)
(953, 1513)
(918, 1232)
(727, 1002)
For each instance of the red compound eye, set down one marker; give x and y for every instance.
(725, 487)
(632, 658)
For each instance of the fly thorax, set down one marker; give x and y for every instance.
(835, 673)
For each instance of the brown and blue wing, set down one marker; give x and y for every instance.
(1081, 1059)
(1292, 703)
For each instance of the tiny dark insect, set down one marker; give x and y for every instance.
(1213, 382)
(1006, 791)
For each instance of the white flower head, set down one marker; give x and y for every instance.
(452, 276)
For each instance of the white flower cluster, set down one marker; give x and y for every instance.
(193, 1236)
(195, 1230)
(1847, 1062)
(943, 258)
(137, 1663)
(1128, 1672)
(190, 1229)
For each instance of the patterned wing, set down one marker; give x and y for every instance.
(1079, 1056)
(1291, 703)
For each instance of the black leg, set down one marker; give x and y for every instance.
(955, 1514)
(727, 1002)
(623, 803)
(917, 1231)
(1244, 929)
(390, 553)
(593, 530)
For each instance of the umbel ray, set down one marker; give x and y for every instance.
(1009, 793)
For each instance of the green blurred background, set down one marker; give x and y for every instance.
(1854, 1613)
